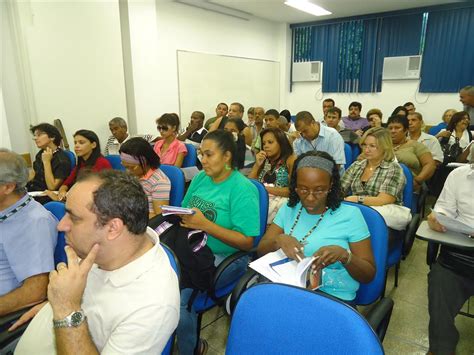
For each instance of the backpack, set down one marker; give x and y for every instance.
(196, 259)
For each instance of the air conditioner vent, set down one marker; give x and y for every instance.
(307, 71)
(401, 68)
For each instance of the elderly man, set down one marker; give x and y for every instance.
(415, 124)
(354, 121)
(124, 284)
(315, 136)
(118, 128)
(28, 237)
(466, 96)
(451, 279)
(195, 131)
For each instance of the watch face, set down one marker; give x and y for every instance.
(76, 318)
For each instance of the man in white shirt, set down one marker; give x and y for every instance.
(415, 124)
(124, 286)
(451, 279)
(118, 128)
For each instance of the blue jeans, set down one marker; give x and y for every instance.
(188, 320)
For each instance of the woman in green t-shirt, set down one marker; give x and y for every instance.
(227, 209)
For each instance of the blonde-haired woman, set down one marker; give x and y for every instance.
(446, 119)
(377, 179)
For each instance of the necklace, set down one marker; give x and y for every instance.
(15, 210)
(303, 240)
(399, 145)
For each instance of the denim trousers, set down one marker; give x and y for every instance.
(188, 320)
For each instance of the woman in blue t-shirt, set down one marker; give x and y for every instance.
(227, 209)
(316, 223)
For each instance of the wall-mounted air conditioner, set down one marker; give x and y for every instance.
(307, 71)
(401, 68)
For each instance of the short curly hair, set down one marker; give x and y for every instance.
(335, 195)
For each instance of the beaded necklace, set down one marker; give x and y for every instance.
(303, 240)
(15, 210)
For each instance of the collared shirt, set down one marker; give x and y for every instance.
(169, 157)
(27, 241)
(329, 140)
(131, 310)
(112, 146)
(198, 135)
(388, 178)
(355, 125)
(432, 143)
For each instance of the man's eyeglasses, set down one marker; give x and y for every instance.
(316, 193)
(162, 128)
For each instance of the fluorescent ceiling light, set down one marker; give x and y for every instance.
(306, 6)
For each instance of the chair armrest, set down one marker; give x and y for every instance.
(6, 321)
(223, 266)
(410, 235)
(432, 249)
(244, 283)
(379, 316)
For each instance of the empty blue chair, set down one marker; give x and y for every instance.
(115, 161)
(191, 158)
(355, 152)
(58, 209)
(176, 177)
(71, 157)
(348, 155)
(272, 318)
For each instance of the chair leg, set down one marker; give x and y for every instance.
(397, 267)
(385, 284)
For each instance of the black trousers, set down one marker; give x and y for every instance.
(447, 293)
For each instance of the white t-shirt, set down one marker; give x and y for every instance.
(131, 310)
(432, 143)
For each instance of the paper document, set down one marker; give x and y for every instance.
(171, 210)
(456, 165)
(36, 193)
(190, 172)
(453, 225)
(277, 267)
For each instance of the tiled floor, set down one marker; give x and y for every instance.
(408, 329)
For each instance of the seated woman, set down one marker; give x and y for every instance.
(170, 150)
(236, 126)
(273, 166)
(456, 131)
(89, 158)
(227, 209)
(444, 122)
(52, 165)
(400, 111)
(316, 223)
(416, 156)
(374, 116)
(141, 161)
(377, 179)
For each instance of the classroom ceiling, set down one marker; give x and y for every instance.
(276, 10)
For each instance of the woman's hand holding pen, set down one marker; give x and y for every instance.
(291, 247)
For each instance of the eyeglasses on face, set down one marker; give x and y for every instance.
(162, 128)
(370, 146)
(303, 191)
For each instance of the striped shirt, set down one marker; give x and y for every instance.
(112, 146)
(157, 187)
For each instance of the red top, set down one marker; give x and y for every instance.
(100, 164)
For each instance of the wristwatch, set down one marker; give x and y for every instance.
(75, 319)
(360, 199)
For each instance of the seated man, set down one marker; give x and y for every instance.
(195, 131)
(451, 279)
(317, 137)
(333, 120)
(415, 124)
(124, 285)
(28, 237)
(353, 121)
(118, 128)
(221, 111)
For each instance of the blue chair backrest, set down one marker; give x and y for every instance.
(408, 189)
(263, 204)
(348, 154)
(71, 157)
(191, 158)
(58, 209)
(115, 161)
(355, 152)
(370, 292)
(176, 177)
(264, 321)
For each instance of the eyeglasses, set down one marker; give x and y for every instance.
(370, 146)
(162, 128)
(316, 193)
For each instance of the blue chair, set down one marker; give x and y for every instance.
(348, 155)
(115, 161)
(266, 321)
(203, 302)
(191, 158)
(436, 129)
(71, 157)
(176, 177)
(174, 264)
(58, 209)
(355, 152)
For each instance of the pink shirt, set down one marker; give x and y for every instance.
(171, 154)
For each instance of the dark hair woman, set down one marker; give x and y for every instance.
(315, 223)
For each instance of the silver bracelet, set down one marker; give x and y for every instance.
(349, 258)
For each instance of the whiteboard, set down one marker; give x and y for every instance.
(204, 80)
